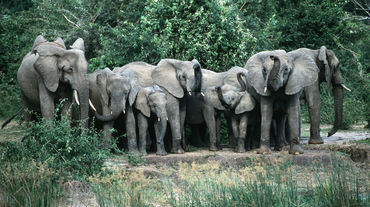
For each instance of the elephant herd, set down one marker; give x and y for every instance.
(266, 92)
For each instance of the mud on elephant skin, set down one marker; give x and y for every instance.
(277, 79)
(50, 73)
(151, 103)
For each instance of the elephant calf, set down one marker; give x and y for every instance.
(151, 102)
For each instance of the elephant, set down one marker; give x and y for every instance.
(238, 102)
(173, 77)
(108, 94)
(151, 101)
(50, 73)
(328, 65)
(277, 79)
(209, 79)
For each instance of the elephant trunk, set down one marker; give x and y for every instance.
(116, 111)
(198, 78)
(221, 97)
(338, 109)
(83, 96)
(241, 82)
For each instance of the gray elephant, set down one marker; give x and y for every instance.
(277, 79)
(50, 73)
(172, 77)
(151, 102)
(211, 79)
(328, 64)
(108, 94)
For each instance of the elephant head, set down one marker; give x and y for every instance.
(270, 71)
(330, 64)
(152, 100)
(55, 64)
(177, 76)
(240, 101)
(114, 90)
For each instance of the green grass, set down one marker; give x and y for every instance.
(364, 141)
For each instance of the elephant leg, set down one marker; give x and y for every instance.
(243, 121)
(231, 134)
(142, 123)
(235, 126)
(173, 112)
(218, 134)
(107, 127)
(182, 121)
(131, 130)
(209, 116)
(266, 116)
(294, 124)
(159, 142)
(46, 101)
(280, 125)
(312, 94)
(66, 110)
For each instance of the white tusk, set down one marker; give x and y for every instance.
(92, 105)
(264, 90)
(124, 112)
(345, 87)
(166, 118)
(111, 112)
(202, 93)
(159, 119)
(189, 93)
(76, 97)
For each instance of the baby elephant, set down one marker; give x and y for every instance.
(151, 103)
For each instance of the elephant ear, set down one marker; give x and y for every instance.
(60, 43)
(78, 44)
(328, 73)
(211, 98)
(39, 39)
(246, 103)
(141, 102)
(135, 88)
(255, 66)
(47, 64)
(101, 82)
(304, 72)
(165, 75)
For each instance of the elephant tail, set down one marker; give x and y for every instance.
(11, 118)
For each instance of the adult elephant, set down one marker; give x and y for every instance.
(174, 77)
(108, 94)
(329, 72)
(277, 79)
(51, 73)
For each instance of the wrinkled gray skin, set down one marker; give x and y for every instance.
(277, 79)
(238, 102)
(50, 73)
(172, 76)
(108, 94)
(151, 103)
(211, 79)
(328, 64)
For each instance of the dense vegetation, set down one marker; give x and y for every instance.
(220, 34)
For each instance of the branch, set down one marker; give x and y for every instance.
(242, 6)
(358, 4)
(335, 38)
(71, 21)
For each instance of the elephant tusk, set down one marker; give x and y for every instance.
(345, 87)
(92, 105)
(111, 112)
(159, 119)
(124, 112)
(264, 90)
(166, 118)
(202, 93)
(189, 93)
(76, 97)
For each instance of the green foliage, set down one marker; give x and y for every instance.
(72, 151)
(134, 159)
(29, 184)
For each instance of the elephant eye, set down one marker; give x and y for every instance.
(286, 69)
(67, 69)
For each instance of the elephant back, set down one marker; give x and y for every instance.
(231, 76)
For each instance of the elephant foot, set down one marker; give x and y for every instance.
(161, 152)
(134, 151)
(177, 150)
(295, 149)
(213, 148)
(264, 150)
(278, 148)
(316, 141)
(240, 149)
(143, 152)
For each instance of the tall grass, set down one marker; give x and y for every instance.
(28, 184)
